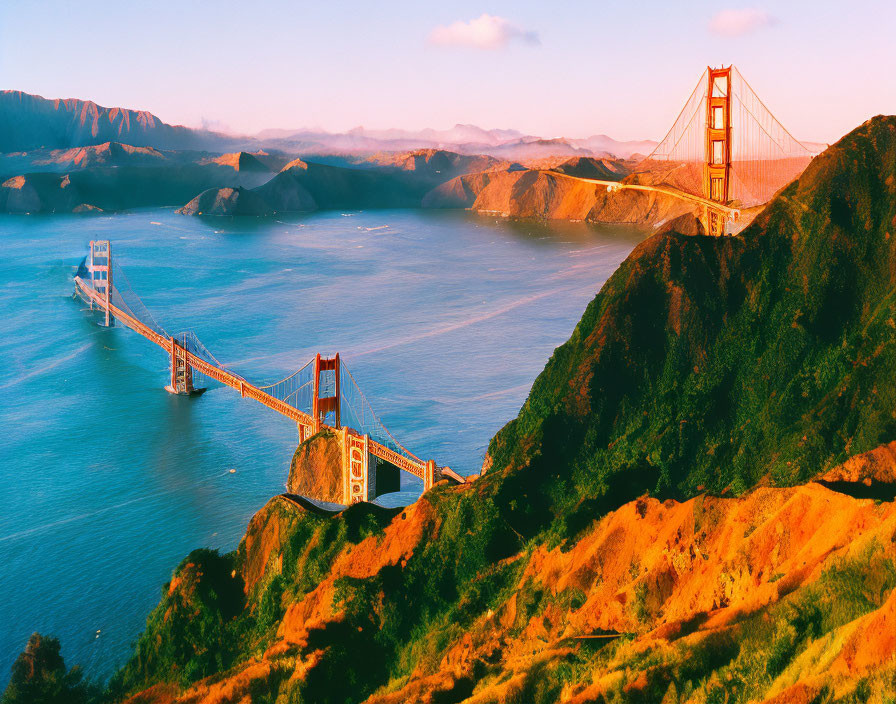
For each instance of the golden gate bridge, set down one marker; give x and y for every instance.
(725, 151)
(321, 395)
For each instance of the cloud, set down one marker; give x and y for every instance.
(735, 23)
(213, 125)
(484, 32)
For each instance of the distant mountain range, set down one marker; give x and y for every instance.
(463, 139)
(29, 122)
(77, 156)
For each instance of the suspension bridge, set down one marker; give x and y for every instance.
(321, 395)
(726, 152)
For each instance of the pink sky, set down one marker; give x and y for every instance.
(571, 69)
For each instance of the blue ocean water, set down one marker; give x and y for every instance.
(107, 481)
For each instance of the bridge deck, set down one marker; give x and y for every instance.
(246, 389)
(674, 192)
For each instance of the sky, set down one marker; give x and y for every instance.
(622, 68)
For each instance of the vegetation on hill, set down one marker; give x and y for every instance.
(712, 363)
(39, 676)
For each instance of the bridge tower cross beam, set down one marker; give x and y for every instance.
(717, 161)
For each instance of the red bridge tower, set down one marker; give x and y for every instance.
(717, 168)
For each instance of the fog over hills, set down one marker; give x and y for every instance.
(464, 139)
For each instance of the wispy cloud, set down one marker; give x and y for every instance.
(484, 32)
(210, 123)
(737, 22)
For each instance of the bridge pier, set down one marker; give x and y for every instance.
(429, 476)
(355, 468)
(364, 476)
(181, 372)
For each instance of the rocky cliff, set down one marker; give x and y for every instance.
(554, 195)
(316, 469)
(784, 592)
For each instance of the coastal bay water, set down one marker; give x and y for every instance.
(107, 481)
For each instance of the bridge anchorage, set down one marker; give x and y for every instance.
(726, 151)
(321, 396)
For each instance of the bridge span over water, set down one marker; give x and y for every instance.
(321, 395)
(726, 152)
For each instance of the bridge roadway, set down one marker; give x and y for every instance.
(730, 213)
(414, 465)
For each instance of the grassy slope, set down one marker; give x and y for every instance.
(713, 362)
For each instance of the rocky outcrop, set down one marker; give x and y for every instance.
(591, 167)
(39, 193)
(106, 154)
(86, 208)
(316, 468)
(553, 196)
(226, 201)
